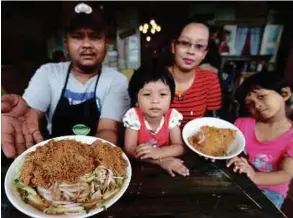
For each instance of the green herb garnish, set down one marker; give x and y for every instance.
(104, 207)
(25, 197)
(119, 181)
(86, 209)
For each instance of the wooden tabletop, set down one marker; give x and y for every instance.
(211, 191)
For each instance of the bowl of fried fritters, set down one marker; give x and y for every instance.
(213, 138)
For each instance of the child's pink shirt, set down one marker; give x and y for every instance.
(266, 156)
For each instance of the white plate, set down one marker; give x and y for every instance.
(193, 126)
(14, 196)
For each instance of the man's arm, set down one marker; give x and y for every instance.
(38, 94)
(115, 104)
(108, 130)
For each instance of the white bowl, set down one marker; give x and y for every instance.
(14, 196)
(193, 126)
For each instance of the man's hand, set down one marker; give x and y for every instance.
(13, 105)
(19, 125)
(31, 129)
(12, 138)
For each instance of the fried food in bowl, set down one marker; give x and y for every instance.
(213, 138)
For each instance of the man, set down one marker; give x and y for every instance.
(77, 97)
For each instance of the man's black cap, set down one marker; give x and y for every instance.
(81, 19)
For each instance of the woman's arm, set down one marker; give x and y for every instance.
(214, 96)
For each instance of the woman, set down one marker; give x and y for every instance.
(198, 91)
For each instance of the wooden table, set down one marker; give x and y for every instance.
(211, 191)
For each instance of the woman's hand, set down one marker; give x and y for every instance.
(144, 151)
(174, 165)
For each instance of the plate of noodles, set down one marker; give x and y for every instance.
(213, 138)
(68, 176)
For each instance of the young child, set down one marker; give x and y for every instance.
(152, 128)
(269, 136)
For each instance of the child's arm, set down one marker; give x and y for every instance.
(131, 147)
(170, 164)
(176, 147)
(130, 142)
(173, 150)
(285, 174)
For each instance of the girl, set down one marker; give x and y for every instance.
(269, 135)
(152, 128)
(198, 91)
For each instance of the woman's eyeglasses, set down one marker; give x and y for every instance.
(187, 45)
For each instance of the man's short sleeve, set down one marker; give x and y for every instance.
(38, 93)
(117, 101)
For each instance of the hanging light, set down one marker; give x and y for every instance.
(154, 26)
(145, 26)
(153, 31)
(148, 38)
(158, 28)
(140, 28)
(145, 30)
(152, 22)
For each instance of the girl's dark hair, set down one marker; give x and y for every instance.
(265, 80)
(146, 74)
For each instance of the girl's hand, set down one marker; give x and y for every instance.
(234, 161)
(144, 151)
(174, 165)
(209, 159)
(242, 166)
(245, 167)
